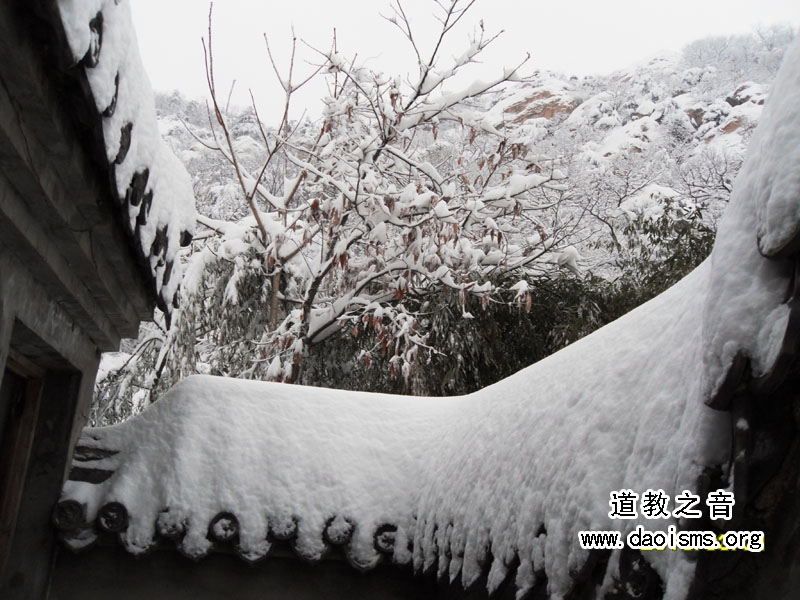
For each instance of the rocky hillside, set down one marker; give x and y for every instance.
(669, 130)
(660, 104)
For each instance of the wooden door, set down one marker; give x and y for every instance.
(20, 397)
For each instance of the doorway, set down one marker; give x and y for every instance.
(20, 398)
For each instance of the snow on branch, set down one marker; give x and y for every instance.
(380, 203)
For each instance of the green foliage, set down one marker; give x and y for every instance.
(659, 251)
(125, 382)
(503, 336)
(500, 339)
(471, 341)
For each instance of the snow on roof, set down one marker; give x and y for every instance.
(764, 206)
(482, 485)
(153, 189)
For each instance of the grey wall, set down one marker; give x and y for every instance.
(67, 347)
(40, 329)
(110, 572)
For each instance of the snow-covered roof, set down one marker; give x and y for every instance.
(154, 191)
(498, 481)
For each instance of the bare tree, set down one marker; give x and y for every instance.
(399, 190)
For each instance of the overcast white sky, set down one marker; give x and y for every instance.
(576, 37)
